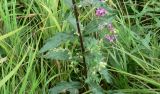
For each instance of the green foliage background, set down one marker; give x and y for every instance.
(40, 51)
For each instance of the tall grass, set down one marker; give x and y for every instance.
(25, 26)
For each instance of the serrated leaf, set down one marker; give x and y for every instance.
(65, 86)
(58, 54)
(73, 91)
(105, 74)
(90, 43)
(55, 41)
(96, 89)
(91, 27)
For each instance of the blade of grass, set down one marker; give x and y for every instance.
(6, 78)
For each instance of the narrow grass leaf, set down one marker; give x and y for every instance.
(10, 33)
(6, 78)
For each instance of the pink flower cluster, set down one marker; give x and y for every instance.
(102, 12)
(111, 37)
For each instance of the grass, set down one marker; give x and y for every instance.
(133, 61)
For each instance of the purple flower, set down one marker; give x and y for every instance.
(102, 0)
(111, 38)
(101, 12)
(110, 27)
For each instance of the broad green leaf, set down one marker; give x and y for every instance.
(91, 43)
(105, 74)
(72, 21)
(58, 54)
(64, 87)
(94, 55)
(96, 89)
(56, 41)
(91, 27)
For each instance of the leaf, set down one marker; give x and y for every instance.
(56, 41)
(106, 75)
(96, 89)
(91, 27)
(72, 21)
(2, 37)
(72, 87)
(91, 43)
(14, 71)
(58, 54)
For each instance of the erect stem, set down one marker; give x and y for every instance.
(80, 36)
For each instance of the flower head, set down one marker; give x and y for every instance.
(101, 11)
(111, 38)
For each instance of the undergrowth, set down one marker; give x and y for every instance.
(79, 46)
